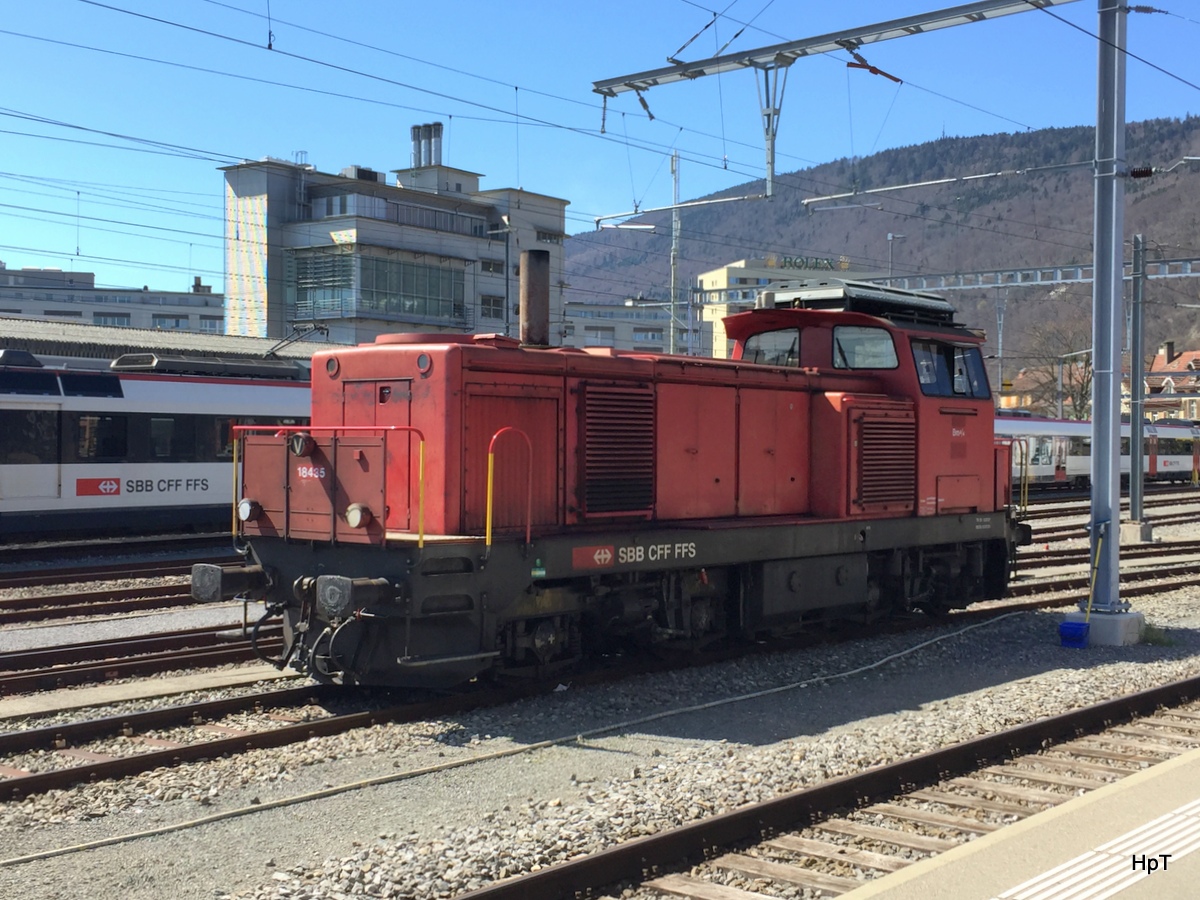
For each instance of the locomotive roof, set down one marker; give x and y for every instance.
(893, 304)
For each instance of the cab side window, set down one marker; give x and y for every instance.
(862, 347)
(944, 370)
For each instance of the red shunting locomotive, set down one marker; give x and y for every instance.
(466, 504)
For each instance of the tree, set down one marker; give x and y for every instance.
(1061, 347)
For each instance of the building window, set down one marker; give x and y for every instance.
(212, 324)
(120, 320)
(170, 323)
(72, 313)
(599, 336)
(322, 285)
(492, 266)
(491, 306)
(549, 237)
(411, 290)
(642, 335)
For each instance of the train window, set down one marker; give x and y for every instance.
(162, 437)
(773, 348)
(214, 439)
(102, 437)
(862, 347)
(15, 381)
(28, 436)
(1041, 452)
(100, 384)
(948, 371)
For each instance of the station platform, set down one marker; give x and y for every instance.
(1108, 843)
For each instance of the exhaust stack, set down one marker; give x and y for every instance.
(535, 298)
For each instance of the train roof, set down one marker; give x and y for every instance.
(69, 341)
(1036, 426)
(210, 365)
(893, 304)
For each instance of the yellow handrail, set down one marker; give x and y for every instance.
(487, 530)
(1095, 568)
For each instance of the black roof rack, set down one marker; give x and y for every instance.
(210, 365)
(893, 304)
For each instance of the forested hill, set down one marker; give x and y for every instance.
(1039, 213)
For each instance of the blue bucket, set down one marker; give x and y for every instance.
(1074, 634)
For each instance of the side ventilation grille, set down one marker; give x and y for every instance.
(887, 461)
(618, 450)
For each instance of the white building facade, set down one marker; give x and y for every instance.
(428, 252)
(56, 295)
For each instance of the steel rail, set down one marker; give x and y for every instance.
(158, 569)
(53, 737)
(94, 651)
(125, 546)
(111, 669)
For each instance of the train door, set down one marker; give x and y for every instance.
(1060, 460)
(30, 454)
(384, 402)
(1151, 453)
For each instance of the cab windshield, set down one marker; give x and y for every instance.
(773, 348)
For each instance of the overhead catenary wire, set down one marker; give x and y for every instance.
(107, 7)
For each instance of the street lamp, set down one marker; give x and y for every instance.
(1061, 359)
(892, 237)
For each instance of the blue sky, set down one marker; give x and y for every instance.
(114, 124)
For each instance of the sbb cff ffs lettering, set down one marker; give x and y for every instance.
(164, 485)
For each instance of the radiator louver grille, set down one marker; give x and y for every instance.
(887, 461)
(618, 450)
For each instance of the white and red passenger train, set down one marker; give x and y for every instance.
(143, 445)
(466, 505)
(1058, 452)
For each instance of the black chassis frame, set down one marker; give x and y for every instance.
(447, 601)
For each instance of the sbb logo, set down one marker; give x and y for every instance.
(97, 487)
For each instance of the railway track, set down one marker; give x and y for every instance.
(101, 764)
(1076, 532)
(839, 834)
(107, 572)
(25, 671)
(1056, 509)
(196, 648)
(69, 552)
(42, 608)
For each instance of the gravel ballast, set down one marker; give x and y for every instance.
(439, 834)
